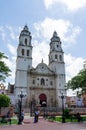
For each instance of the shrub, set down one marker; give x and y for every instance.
(66, 113)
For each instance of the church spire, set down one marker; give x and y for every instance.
(25, 37)
(25, 48)
(56, 52)
(25, 31)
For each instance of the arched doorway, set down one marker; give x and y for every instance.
(43, 100)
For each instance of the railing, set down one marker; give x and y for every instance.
(77, 109)
(55, 110)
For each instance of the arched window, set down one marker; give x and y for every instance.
(25, 41)
(51, 83)
(33, 81)
(60, 57)
(57, 46)
(22, 51)
(55, 56)
(27, 52)
(42, 81)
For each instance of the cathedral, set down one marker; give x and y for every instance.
(43, 84)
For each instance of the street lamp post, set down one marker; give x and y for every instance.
(63, 118)
(21, 95)
(32, 106)
(63, 94)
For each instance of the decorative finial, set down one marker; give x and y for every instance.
(26, 27)
(42, 60)
(55, 34)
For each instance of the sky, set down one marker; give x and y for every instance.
(43, 17)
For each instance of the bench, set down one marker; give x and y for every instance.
(5, 119)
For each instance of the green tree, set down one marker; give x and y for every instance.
(4, 101)
(4, 69)
(78, 81)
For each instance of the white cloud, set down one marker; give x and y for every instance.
(2, 33)
(40, 50)
(65, 29)
(72, 5)
(75, 31)
(73, 65)
(9, 33)
(12, 35)
(12, 49)
(13, 32)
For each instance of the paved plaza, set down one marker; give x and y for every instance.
(45, 125)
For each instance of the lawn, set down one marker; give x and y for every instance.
(59, 119)
(13, 121)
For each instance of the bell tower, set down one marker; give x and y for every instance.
(24, 60)
(56, 54)
(56, 63)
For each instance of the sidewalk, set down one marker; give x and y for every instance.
(45, 125)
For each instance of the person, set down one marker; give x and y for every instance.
(9, 116)
(22, 115)
(36, 116)
(45, 115)
(79, 118)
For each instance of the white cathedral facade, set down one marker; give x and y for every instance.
(42, 84)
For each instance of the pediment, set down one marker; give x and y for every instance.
(42, 68)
